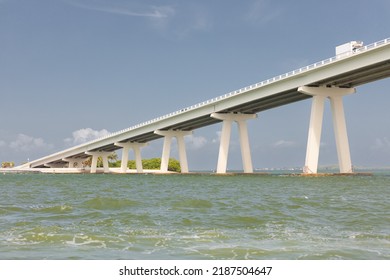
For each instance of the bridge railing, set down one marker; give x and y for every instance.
(253, 86)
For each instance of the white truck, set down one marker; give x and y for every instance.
(348, 48)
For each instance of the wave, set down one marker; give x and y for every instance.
(192, 204)
(55, 209)
(104, 203)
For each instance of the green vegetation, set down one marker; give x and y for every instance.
(155, 163)
(7, 164)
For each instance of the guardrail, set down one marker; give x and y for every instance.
(246, 89)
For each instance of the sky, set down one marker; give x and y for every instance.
(74, 70)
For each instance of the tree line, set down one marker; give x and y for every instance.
(152, 163)
(7, 164)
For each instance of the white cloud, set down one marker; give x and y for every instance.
(2, 143)
(161, 23)
(27, 143)
(180, 19)
(152, 12)
(196, 142)
(125, 8)
(283, 144)
(260, 13)
(162, 11)
(85, 135)
(218, 138)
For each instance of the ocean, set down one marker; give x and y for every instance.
(194, 216)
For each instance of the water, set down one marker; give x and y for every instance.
(52, 216)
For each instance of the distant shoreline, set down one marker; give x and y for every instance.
(282, 172)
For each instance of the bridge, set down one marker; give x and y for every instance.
(331, 79)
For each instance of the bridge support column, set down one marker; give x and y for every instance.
(95, 156)
(335, 95)
(228, 119)
(74, 162)
(125, 155)
(168, 135)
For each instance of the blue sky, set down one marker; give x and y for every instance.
(71, 70)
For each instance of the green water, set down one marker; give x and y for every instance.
(100, 216)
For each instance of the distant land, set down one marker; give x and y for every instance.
(334, 167)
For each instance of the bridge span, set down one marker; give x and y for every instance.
(331, 79)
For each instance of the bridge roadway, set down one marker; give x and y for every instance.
(364, 65)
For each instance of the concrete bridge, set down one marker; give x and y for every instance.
(332, 78)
